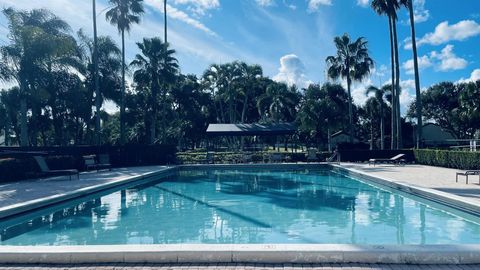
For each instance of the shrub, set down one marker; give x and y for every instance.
(448, 158)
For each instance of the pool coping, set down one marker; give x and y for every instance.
(245, 253)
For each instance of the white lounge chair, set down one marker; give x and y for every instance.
(468, 173)
(397, 160)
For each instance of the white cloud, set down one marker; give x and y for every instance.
(445, 60)
(423, 63)
(475, 76)
(180, 15)
(199, 7)
(444, 33)
(292, 71)
(363, 3)
(419, 12)
(265, 3)
(448, 59)
(313, 5)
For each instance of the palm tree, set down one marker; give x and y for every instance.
(379, 94)
(352, 63)
(156, 67)
(389, 8)
(409, 5)
(123, 14)
(165, 19)
(278, 102)
(95, 71)
(34, 37)
(250, 74)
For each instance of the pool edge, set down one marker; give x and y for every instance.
(243, 253)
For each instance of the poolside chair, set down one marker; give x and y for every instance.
(312, 155)
(468, 173)
(397, 160)
(45, 171)
(91, 163)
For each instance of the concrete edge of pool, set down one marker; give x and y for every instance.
(242, 253)
(248, 253)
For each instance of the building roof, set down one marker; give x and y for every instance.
(251, 129)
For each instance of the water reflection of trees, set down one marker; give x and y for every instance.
(231, 206)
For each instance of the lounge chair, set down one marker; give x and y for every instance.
(468, 173)
(91, 163)
(397, 160)
(45, 171)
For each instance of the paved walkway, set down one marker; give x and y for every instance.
(438, 178)
(243, 267)
(23, 191)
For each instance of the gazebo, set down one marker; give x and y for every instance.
(250, 130)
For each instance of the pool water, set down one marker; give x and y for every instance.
(246, 206)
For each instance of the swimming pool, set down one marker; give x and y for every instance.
(245, 206)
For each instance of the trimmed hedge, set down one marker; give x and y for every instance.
(463, 160)
(196, 157)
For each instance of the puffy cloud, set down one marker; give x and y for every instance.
(292, 71)
(265, 3)
(419, 12)
(313, 5)
(363, 3)
(444, 33)
(423, 62)
(448, 59)
(475, 76)
(445, 60)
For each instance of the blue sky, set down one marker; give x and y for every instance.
(290, 39)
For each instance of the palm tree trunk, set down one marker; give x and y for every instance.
(95, 71)
(23, 122)
(382, 132)
(417, 75)
(350, 113)
(371, 132)
(122, 101)
(165, 19)
(153, 120)
(393, 136)
(397, 87)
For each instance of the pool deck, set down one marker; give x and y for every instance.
(22, 195)
(436, 178)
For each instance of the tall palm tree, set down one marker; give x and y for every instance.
(95, 71)
(379, 94)
(409, 5)
(278, 102)
(352, 63)
(165, 19)
(123, 14)
(33, 35)
(157, 67)
(389, 8)
(250, 74)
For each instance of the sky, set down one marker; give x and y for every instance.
(290, 39)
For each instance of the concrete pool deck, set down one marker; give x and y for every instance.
(20, 196)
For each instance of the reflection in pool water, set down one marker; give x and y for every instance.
(245, 206)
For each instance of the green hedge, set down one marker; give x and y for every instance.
(463, 160)
(195, 157)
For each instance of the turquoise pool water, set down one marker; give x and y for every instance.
(245, 206)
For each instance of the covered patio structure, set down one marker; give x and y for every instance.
(249, 130)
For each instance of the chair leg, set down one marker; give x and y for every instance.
(456, 178)
(466, 181)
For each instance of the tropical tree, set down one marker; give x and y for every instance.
(379, 94)
(123, 14)
(351, 63)
(250, 74)
(279, 103)
(98, 103)
(322, 106)
(389, 8)
(156, 67)
(409, 5)
(371, 110)
(33, 38)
